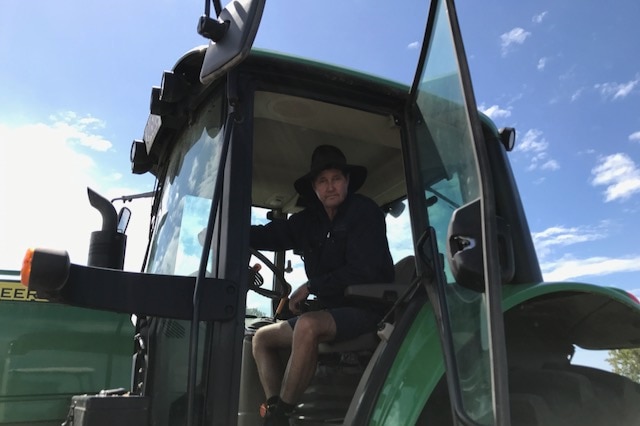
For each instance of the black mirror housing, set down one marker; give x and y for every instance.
(464, 247)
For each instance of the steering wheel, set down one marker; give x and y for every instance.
(256, 283)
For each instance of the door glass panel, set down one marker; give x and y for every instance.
(177, 246)
(450, 179)
(187, 192)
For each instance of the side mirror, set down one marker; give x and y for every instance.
(395, 208)
(238, 24)
(123, 220)
(108, 245)
(508, 138)
(464, 247)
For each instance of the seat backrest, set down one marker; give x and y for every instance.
(405, 270)
(387, 293)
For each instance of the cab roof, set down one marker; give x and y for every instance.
(299, 104)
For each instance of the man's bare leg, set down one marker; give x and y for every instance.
(311, 329)
(266, 344)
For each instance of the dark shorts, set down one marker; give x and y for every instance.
(350, 322)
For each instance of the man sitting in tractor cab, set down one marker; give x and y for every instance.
(342, 238)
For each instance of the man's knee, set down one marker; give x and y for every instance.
(259, 341)
(274, 336)
(314, 326)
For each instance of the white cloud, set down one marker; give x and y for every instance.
(515, 36)
(414, 45)
(53, 178)
(576, 94)
(539, 18)
(80, 130)
(86, 122)
(44, 179)
(542, 62)
(561, 236)
(535, 146)
(617, 90)
(635, 136)
(532, 142)
(550, 165)
(619, 174)
(494, 111)
(539, 181)
(568, 268)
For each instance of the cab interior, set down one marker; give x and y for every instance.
(287, 128)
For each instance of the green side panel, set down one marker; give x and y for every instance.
(590, 316)
(513, 295)
(419, 365)
(49, 352)
(415, 373)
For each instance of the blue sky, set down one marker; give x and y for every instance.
(568, 78)
(76, 77)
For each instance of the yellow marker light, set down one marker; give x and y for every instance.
(45, 271)
(25, 272)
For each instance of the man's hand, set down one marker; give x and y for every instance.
(297, 297)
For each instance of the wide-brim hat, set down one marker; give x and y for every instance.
(326, 157)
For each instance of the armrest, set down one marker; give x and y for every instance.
(382, 292)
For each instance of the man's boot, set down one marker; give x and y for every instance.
(272, 414)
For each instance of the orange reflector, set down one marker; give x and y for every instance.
(25, 272)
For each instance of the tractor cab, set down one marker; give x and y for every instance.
(230, 130)
(226, 147)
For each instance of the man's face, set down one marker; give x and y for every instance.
(331, 187)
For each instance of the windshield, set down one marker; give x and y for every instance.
(187, 191)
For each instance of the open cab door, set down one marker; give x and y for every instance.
(452, 209)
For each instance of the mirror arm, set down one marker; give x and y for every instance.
(211, 28)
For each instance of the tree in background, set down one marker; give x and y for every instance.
(626, 362)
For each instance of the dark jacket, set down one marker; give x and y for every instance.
(351, 249)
